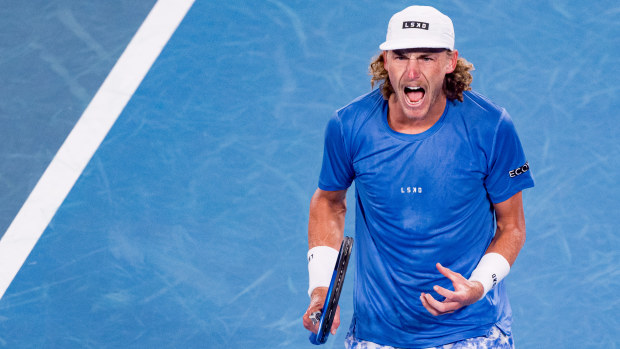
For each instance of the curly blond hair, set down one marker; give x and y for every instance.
(453, 85)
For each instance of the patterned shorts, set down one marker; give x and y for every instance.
(496, 340)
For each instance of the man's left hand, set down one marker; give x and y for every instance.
(465, 293)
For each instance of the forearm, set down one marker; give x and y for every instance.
(326, 221)
(508, 242)
(325, 234)
(505, 246)
(510, 234)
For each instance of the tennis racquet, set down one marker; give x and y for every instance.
(333, 293)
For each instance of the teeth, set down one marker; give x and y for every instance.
(413, 89)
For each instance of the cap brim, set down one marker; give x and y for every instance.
(403, 45)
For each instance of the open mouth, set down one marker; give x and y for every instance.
(414, 93)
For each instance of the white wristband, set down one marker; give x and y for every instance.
(491, 269)
(321, 263)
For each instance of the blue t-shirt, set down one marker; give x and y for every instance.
(423, 199)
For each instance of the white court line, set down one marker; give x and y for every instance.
(86, 136)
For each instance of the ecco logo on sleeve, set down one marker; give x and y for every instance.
(519, 171)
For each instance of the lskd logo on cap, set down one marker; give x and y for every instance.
(415, 25)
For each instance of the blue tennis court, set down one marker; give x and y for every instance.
(187, 227)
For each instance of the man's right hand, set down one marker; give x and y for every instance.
(316, 304)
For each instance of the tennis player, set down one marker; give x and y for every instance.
(438, 171)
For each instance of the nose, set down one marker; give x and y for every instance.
(413, 70)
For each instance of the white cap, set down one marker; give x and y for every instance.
(419, 27)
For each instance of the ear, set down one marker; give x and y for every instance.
(385, 59)
(452, 62)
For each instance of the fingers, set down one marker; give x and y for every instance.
(314, 327)
(437, 308)
(444, 292)
(454, 277)
(465, 293)
(460, 284)
(336, 322)
(308, 324)
(316, 304)
(427, 306)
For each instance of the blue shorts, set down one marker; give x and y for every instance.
(496, 339)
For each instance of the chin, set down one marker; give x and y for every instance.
(416, 112)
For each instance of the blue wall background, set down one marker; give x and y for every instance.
(188, 227)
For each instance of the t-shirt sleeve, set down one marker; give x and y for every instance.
(509, 171)
(337, 170)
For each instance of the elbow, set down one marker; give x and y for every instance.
(335, 201)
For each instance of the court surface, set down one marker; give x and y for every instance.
(187, 227)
